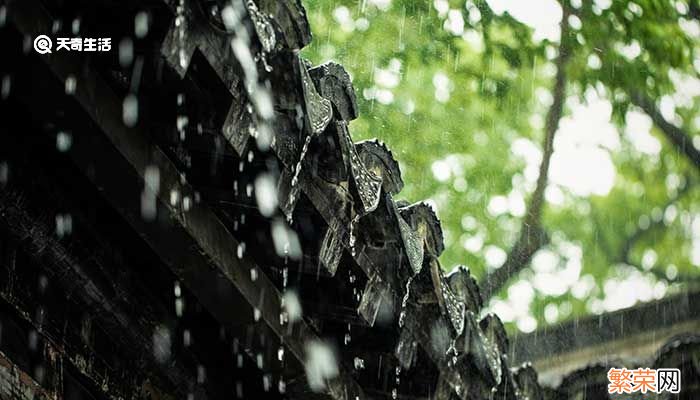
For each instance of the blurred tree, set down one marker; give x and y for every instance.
(605, 211)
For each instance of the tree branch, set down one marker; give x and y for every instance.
(532, 235)
(623, 256)
(628, 245)
(694, 9)
(674, 134)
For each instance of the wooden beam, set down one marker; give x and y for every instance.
(16, 384)
(192, 242)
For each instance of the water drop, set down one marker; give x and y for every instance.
(64, 140)
(141, 24)
(174, 197)
(126, 52)
(161, 344)
(292, 305)
(6, 86)
(179, 306)
(359, 363)
(186, 338)
(64, 225)
(201, 374)
(256, 314)
(75, 26)
(130, 110)
(4, 172)
(281, 386)
(280, 353)
(239, 390)
(320, 365)
(70, 84)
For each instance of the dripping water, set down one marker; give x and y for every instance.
(404, 302)
(395, 391)
(180, 24)
(294, 192)
(348, 336)
(352, 234)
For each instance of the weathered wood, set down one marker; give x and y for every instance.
(15, 384)
(195, 244)
(134, 334)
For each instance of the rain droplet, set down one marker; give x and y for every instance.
(320, 365)
(280, 353)
(43, 283)
(64, 225)
(152, 178)
(179, 306)
(266, 194)
(201, 374)
(33, 340)
(141, 23)
(149, 210)
(6, 86)
(70, 84)
(130, 110)
(161, 344)
(359, 363)
(174, 197)
(285, 240)
(4, 172)
(256, 314)
(75, 26)
(126, 52)
(291, 304)
(64, 141)
(182, 122)
(186, 338)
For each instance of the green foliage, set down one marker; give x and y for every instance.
(455, 107)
